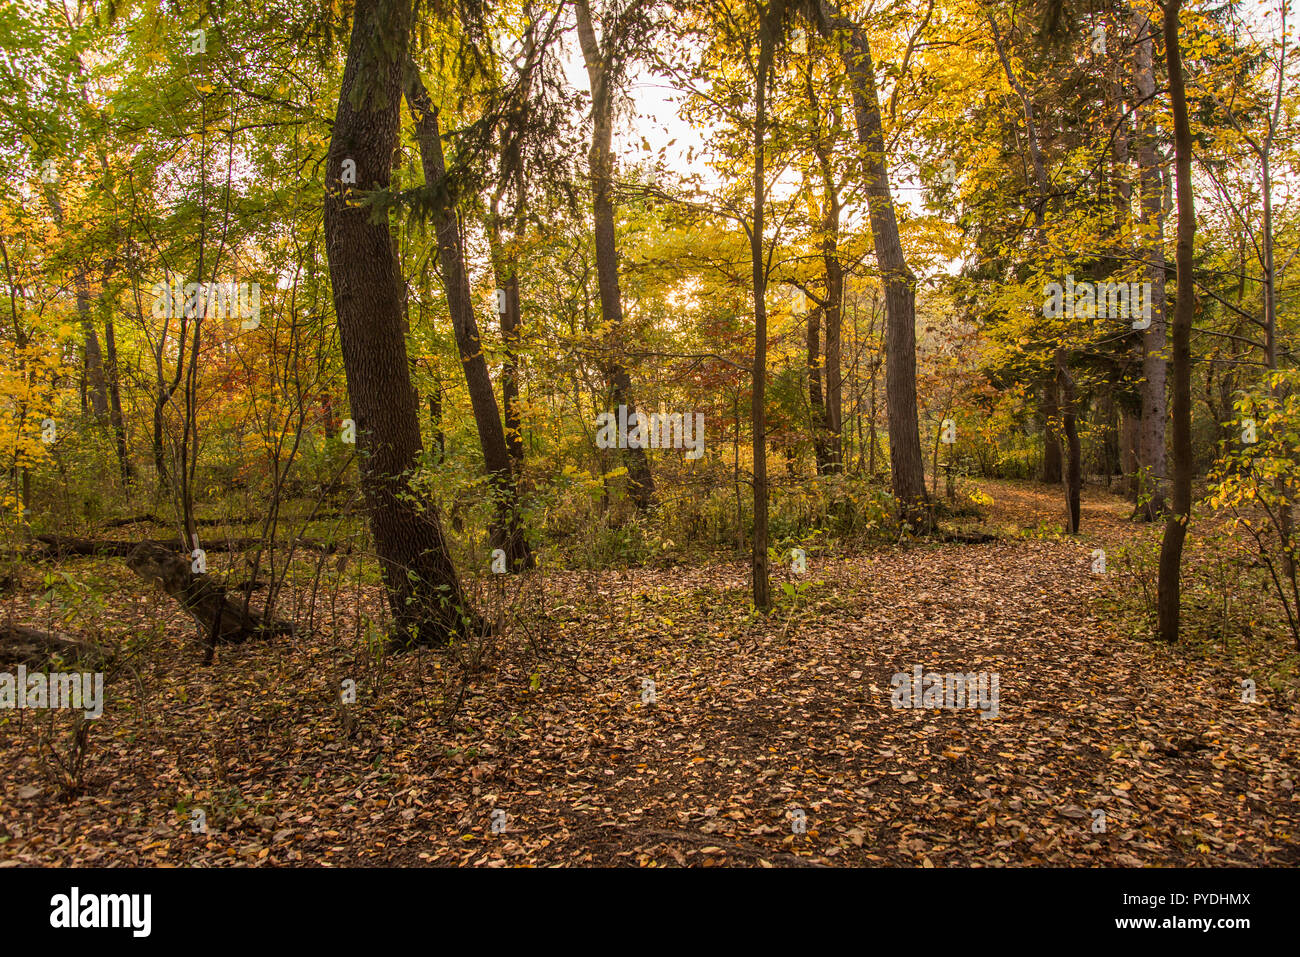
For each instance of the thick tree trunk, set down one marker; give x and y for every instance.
(424, 593)
(1171, 551)
(600, 159)
(1151, 443)
(507, 531)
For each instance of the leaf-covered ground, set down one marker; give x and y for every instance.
(753, 722)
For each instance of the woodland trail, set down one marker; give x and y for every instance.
(753, 723)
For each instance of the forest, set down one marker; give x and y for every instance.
(649, 433)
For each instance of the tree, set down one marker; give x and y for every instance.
(1171, 549)
(507, 531)
(906, 464)
(1151, 438)
(604, 58)
(770, 20)
(424, 593)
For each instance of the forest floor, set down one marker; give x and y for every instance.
(562, 759)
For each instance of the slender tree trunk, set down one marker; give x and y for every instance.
(1171, 551)
(96, 383)
(507, 531)
(758, 557)
(435, 423)
(1130, 429)
(832, 306)
(834, 300)
(424, 593)
(1285, 520)
(115, 398)
(1051, 438)
(93, 381)
(600, 159)
(1069, 419)
(1151, 442)
(815, 400)
(507, 281)
(905, 457)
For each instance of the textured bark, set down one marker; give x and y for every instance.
(1051, 438)
(1130, 428)
(600, 161)
(221, 619)
(1070, 425)
(115, 417)
(507, 531)
(834, 302)
(816, 403)
(96, 383)
(34, 647)
(831, 444)
(93, 383)
(507, 280)
(758, 556)
(1151, 442)
(435, 423)
(905, 459)
(61, 546)
(424, 593)
(1171, 551)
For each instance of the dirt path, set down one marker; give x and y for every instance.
(753, 723)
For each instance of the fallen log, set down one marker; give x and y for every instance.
(63, 546)
(34, 647)
(154, 519)
(220, 619)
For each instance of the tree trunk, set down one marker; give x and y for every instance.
(834, 299)
(1069, 419)
(758, 557)
(115, 398)
(905, 458)
(1051, 438)
(1171, 551)
(833, 304)
(600, 159)
(1151, 443)
(1130, 429)
(96, 384)
(507, 282)
(507, 531)
(222, 619)
(815, 401)
(424, 593)
(435, 423)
